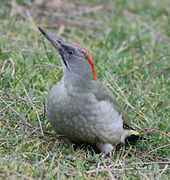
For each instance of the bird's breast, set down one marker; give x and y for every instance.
(80, 117)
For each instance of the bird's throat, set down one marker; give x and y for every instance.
(75, 80)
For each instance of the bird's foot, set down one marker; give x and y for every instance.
(105, 149)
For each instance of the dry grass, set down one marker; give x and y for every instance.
(129, 43)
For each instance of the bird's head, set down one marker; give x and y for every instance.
(74, 58)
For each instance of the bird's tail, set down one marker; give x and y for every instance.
(130, 132)
(133, 132)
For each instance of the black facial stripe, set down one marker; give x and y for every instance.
(64, 60)
(62, 56)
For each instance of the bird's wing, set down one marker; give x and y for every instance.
(102, 93)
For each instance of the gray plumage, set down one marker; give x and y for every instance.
(80, 108)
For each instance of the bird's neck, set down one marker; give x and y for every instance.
(75, 80)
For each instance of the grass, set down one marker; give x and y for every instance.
(129, 43)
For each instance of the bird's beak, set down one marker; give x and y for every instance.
(59, 45)
(53, 40)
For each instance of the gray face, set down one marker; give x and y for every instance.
(69, 53)
(73, 59)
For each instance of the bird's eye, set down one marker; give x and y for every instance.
(70, 51)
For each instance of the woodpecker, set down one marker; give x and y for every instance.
(81, 108)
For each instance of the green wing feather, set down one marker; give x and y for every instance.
(103, 93)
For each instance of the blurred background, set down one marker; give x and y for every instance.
(129, 44)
